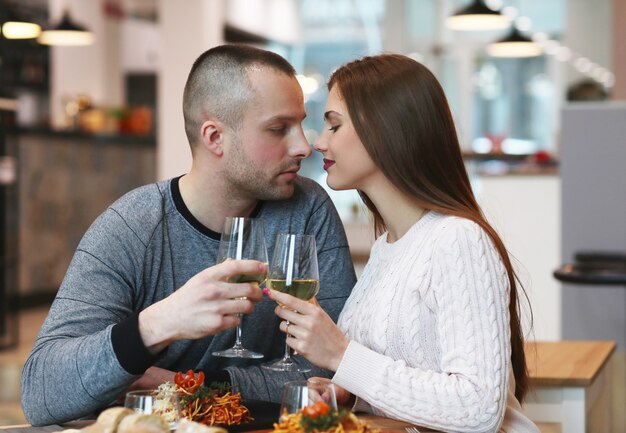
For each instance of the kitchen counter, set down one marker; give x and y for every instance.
(65, 180)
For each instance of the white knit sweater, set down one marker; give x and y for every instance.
(428, 325)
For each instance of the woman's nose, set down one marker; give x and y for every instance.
(320, 143)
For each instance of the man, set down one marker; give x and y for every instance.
(143, 289)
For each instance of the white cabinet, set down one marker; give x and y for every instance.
(139, 46)
(526, 212)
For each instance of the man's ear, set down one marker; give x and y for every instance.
(212, 138)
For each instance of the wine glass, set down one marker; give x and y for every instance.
(242, 239)
(299, 394)
(152, 402)
(293, 270)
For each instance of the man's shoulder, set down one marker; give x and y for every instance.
(140, 209)
(143, 203)
(308, 197)
(308, 190)
(134, 216)
(309, 201)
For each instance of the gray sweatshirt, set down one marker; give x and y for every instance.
(139, 251)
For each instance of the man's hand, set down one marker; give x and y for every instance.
(205, 305)
(152, 378)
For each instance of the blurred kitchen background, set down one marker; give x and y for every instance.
(541, 124)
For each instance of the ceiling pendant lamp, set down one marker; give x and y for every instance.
(66, 33)
(514, 44)
(20, 30)
(477, 17)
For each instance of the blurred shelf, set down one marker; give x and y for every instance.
(126, 139)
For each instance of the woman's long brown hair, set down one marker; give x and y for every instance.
(402, 117)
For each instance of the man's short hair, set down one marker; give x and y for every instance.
(218, 85)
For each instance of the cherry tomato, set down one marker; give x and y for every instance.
(316, 410)
(321, 408)
(189, 381)
(310, 412)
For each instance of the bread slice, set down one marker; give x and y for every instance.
(187, 426)
(110, 418)
(142, 423)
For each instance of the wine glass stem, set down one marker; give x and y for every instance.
(287, 352)
(238, 332)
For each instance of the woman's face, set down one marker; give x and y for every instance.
(348, 164)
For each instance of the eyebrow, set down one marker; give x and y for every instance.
(330, 113)
(286, 118)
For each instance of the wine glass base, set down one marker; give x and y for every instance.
(238, 352)
(285, 365)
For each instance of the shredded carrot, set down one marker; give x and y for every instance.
(292, 423)
(201, 405)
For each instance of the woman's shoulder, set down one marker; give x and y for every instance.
(451, 226)
(453, 235)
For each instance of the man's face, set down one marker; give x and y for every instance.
(262, 158)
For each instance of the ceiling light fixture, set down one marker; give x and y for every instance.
(477, 16)
(66, 33)
(20, 30)
(514, 44)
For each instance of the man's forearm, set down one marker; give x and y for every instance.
(68, 378)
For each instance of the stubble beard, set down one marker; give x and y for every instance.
(259, 188)
(246, 179)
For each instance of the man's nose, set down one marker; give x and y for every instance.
(301, 148)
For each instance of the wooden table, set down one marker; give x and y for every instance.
(569, 381)
(570, 384)
(385, 424)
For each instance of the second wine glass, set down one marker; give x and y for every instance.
(293, 270)
(300, 394)
(242, 239)
(153, 402)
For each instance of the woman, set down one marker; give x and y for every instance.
(431, 333)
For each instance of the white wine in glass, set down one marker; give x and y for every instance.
(303, 289)
(293, 270)
(242, 239)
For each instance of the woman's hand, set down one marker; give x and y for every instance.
(344, 398)
(312, 333)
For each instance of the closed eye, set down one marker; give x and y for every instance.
(334, 128)
(279, 130)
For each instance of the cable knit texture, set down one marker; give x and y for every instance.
(428, 324)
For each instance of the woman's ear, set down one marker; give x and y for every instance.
(212, 137)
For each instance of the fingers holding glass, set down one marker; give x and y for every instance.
(293, 270)
(242, 239)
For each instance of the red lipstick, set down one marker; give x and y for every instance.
(328, 163)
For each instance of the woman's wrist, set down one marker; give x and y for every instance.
(336, 360)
